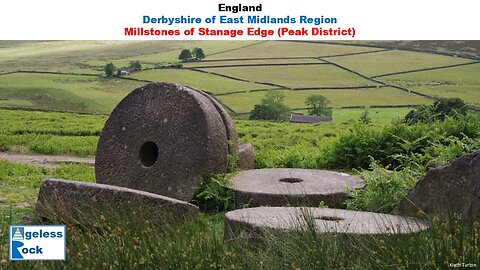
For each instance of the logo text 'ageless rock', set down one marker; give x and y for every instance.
(37, 242)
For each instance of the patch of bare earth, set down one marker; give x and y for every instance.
(44, 160)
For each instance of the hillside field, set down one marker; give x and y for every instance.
(68, 75)
(55, 99)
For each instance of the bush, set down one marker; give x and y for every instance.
(213, 195)
(317, 105)
(439, 111)
(271, 108)
(135, 65)
(397, 143)
(109, 69)
(198, 53)
(185, 55)
(365, 117)
(384, 189)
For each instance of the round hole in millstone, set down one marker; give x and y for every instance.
(329, 218)
(291, 180)
(148, 153)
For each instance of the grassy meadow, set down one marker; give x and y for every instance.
(296, 76)
(203, 81)
(93, 55)
(62, 110)
(374, 64)
(244, 102)
(200, 244)
(226, 63)
(258, 66)
(276, 49)
(461, 81)
(63, 92)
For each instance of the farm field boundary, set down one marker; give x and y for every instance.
(386, 48)
(424, 69)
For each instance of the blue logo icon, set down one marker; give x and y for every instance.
(17, 233)
(37, 242)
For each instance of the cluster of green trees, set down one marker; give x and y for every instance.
(438, 111)
(110, 68)
(273, 108)
(196, 53)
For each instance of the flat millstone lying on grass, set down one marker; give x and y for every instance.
(293, 187)
(252, 222)
(89, 203)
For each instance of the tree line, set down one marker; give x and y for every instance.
(273, 108)
(186, 55)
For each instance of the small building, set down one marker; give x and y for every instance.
(123, 72)
(300, 118)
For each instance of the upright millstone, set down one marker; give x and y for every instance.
(164, 138)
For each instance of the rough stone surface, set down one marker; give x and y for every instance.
(246, 157)
(82, 202)
(255, 221)
(163, 138)
(294, 187)
(447, 192)
(232, 134)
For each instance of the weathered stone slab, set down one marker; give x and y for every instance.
(246, 157)
(447, 192)
(164, 138)
(83, 203)
(294, 187)
(256, 221)
(232, 134)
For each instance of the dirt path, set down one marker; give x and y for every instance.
(44, 160)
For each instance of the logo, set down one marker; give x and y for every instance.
(37, 242)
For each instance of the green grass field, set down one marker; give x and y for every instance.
(201, 243)
(251, 62)
(70, 56)
(464, 48)
(64, 92)
(343, 145)
(244, 102)
(6, 103)
(207, 82)
(377, 115)
(100, 95)
(296, 76)
(462, 82)
(52, 133)
(169, 54)
(394, 61)
(285, 49)
(44, 55)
